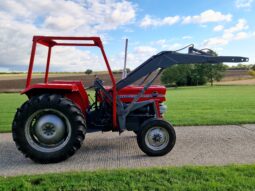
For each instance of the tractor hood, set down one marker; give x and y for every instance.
(128, 93)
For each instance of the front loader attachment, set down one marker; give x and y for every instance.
(166, 59)
(162, 61)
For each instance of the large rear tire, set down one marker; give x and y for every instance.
(48, 128)
(156, 137)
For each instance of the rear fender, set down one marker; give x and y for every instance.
(72, 90)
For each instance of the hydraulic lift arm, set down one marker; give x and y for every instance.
(166, 59)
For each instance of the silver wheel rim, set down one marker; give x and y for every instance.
(48, 130)
(157, 138)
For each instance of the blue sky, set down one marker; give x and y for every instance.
(228, 27)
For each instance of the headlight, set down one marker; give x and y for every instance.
(162, 108)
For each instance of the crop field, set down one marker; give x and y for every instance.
(237, 82)
(16, 82)
(186, 106)
(170, 178)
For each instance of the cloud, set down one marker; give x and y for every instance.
(241, 25)
(236, 32)
(150, 21)
(63, 22)
(115, 15)
(135, 57)
(164, 44)
(78, 60)
(207, 17)
(204, 17)
(160, 42)
(186, 37)
(215, 41)
(243, 3)
(145, 50)
(241, 35)
(173, 46)
(218, 28)
(20, 20)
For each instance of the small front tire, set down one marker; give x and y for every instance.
(156, 137)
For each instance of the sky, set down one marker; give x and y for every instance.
(151, 26)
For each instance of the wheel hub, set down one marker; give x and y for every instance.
(157, 138)
(50, 129)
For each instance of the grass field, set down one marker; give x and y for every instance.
(9, 103)
(186, 106)
(217, 105)
(178, 178)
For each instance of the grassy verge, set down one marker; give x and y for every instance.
(186, 106)
(177, 178)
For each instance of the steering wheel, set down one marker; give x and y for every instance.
(98, 84)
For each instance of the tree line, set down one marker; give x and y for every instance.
(199, 74)
(193, 74)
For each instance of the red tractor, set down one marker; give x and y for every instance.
(51, 125)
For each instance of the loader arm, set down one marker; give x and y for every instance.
(167, 59)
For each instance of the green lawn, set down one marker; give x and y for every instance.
(8, 105)
(170, 178)
(211, 105)
(186, 106)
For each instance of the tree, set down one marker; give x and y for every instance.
(252, 73)
(198, 75)
(88, 71)
(176, 75)
(183, 75)
(193, 74)
(128, 70)
(214, 71)
(252, 70)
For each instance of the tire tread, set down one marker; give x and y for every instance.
(49, 100)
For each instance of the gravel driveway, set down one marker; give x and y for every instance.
(195, 145)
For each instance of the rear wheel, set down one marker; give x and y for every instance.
(156, 137)
(48, 128)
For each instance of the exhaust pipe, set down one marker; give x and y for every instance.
(124, 73)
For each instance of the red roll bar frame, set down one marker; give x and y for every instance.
(50, 41)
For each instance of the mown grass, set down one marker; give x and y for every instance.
(217, 105)
(8, 105)
(171, 178)
(186, 106)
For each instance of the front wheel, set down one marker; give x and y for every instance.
(48, 128)
(156, 137)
